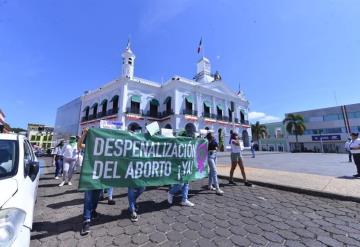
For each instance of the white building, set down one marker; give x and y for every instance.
(178, 104)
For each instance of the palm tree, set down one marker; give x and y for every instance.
(295, 125)
(258, 131)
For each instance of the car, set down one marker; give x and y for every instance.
(19, 179)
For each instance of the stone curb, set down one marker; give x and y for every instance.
(299, 190)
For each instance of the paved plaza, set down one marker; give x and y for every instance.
(244, 216)
(335, 165)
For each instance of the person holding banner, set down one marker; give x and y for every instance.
(91, 197)
(184, 194)
(70, 155)
(133, 195)
(213, 179)
(236, 159)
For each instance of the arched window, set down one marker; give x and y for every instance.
(134, 127)
(207, 107)
(94, 109)
(154, 104)
(168, 126)
(115, 104)
(86, 112)
(104, 107)
(242, 116)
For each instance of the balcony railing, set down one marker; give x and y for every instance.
(244, 121)
(100, 115)
(134, 111)
(189, 112)
(153, 114)
(167, 113)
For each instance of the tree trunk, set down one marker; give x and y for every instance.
(297, 144)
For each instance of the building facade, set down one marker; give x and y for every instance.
(204, 102)
(275, 139)
(4, 127)
(40, 135)
(327, 129)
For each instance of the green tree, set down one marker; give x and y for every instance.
(258, 131)
(295, 126)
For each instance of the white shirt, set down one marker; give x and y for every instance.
(234, 148)
(355, 144)
(70, 152)
(57, 151)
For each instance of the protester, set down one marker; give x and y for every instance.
(355, 150)
(236, 159)
(133, 195)
(70, 155)
(184, 187)
(213, 179)
(109, 192)
(184, 194)
(58, 159)
(91, 197)
(347, 148)
(252, 146)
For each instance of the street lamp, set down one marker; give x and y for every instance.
(321, 141)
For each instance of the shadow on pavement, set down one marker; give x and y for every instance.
(347, 177)
(48, 185)
(63, 193)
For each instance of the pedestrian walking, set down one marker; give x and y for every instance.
(70, 155)
(133, 195)
(212, 152)
(236, 159)
(184, 188)
(91, 197)
(354, 147)
(252, 147)
(58, 159)
(109, 192)
(347, 149)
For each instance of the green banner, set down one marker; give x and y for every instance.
(115, 158)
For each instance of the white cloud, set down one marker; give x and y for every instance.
(262, 117)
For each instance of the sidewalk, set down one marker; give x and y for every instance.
(345, 188)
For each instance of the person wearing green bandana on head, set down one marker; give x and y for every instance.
(70, 155)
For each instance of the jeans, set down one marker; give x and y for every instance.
(213, 179)
(133, 194)
(357, 162)
(59, 167)
(68, 169)
(90, 203)
(184, 190)
(253, 152)
(109, 192)
(350, 156)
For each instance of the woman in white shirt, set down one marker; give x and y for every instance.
(236, 159)
(354, 147)
(70, 155)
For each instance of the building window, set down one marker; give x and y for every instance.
(45, 138)
(219, 111)
(135, 104)
(354, 114)
(154, 104)
(50, 138)
(38, 137)
(230, 115)
(188, 104)
(242, 116)
(94, 110)
(104, 107)
(332, 117)
(115, 105)
(207, 107)
(33, 138)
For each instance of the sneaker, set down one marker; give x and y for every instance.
(94, 215)
(85, 228)
(211, 188)
(62, 184)
(69, 183)
(219, 192)
(56, 177)
(187, 203)
(134, 217)
(170, 198)
(248, 184)
(232, 182)
(111, 202)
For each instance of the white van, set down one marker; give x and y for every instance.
(19, 178)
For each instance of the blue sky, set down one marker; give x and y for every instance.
(287, 55)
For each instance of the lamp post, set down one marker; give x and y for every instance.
(321, 142)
